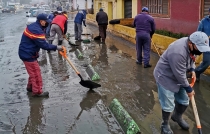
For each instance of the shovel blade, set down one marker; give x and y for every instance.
(89, 84)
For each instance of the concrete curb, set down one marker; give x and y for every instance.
(78, 54)
(126, 122)
(92, 73)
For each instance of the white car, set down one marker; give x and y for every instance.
(31, 10)
(45, 7)
(32, 18)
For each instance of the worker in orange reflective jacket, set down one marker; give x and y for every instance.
(33, 39)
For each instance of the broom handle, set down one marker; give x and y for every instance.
(86, 32)
(75, 69)
(155, 48)
(197, 120)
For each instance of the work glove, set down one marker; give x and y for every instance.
(190, 91)
(59, 48)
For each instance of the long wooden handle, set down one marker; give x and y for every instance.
(86, 32)
(197, 120)
(75, 69)
(155, 48)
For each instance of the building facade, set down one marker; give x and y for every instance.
(117, 9)
(178, 16)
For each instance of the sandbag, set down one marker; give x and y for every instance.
(115, 21)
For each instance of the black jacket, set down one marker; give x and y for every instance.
(102, 18)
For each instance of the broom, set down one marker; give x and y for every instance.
(86, 40)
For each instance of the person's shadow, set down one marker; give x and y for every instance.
(34, 120)
(88, 102)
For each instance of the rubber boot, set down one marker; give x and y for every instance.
(44, 94)
(50, 41)
(165, 127)
(60, 42)
(29, 89)
(177, 116)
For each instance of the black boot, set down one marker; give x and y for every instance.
(50, 41)
(165, 127)
(177, 116)
(60, 42)
(44, 94)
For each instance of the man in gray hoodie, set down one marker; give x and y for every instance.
(170, 76)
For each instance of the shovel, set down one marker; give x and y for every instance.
(197, 120)
(85, 83)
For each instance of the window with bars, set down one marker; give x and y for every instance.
(205, 8)
(157, 7)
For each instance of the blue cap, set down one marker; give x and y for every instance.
(145, 9)
(43, 16)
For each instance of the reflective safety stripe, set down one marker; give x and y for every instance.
(33, 36)
(66, 16)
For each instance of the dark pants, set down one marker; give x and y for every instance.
(204, 65)
(78, 31)
(143, 42)
(102, 31)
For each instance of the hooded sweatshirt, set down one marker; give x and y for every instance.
(204, 26)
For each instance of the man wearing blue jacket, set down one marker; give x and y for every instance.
(79, 19)
(145, 28)
(204, 26)
(50, 17)
(33, 39)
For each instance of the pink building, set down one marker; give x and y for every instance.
(178, 16)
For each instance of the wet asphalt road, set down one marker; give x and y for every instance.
(73, 109)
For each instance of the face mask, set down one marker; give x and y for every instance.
(195, 52)
(46, 25)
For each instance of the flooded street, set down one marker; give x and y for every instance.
(73, 109)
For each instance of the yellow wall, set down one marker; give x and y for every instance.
(117, 8)
(110, 10)
(120, 9)
(134, 8)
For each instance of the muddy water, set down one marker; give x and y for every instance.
(73, 109)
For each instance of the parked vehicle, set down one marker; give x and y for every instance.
(8, 9)
(46, 7)
(31, 10)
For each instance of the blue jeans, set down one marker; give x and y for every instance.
(204, 65)
(167, 98)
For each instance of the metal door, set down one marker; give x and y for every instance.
(127, 8)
